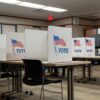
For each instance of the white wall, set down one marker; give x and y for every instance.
(77, 31)
(8, 28)
(22, 28)
(62, 21)
(87, 22)
(8, 24)
(22, 24)
(13, 20)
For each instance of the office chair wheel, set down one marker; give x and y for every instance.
(2, 96)
(31, 93)
(8, 98)
(26, 92)
(78, 81)
(90, 79)
(93, 79)
(84, 82)
(12, 98)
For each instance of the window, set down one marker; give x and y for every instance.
(8, 28)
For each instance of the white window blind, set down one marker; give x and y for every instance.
(8, 28)
(21, 28)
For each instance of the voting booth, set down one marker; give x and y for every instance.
(53, 45)
(2, 47)
(59, 44)
(83, 47)
(12, 46)
(36, 44)
(15, 46)
(78, 47)
(90, 47)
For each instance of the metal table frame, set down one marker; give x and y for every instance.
(70, 78)
(69, 65)
(89, 76)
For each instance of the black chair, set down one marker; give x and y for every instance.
(6, 73)
(34, 76)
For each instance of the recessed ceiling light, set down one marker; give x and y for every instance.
(10, 1)
(54, 9)
(31, 5)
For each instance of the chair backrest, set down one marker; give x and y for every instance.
(33, 72)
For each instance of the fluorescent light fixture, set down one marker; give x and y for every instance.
(54, 9)
(31, 5)
(10, 1)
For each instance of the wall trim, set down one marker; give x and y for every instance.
(21, 17)
(22, 24)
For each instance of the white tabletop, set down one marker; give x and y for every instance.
(52, 64)
(94, 57)
(67, 63)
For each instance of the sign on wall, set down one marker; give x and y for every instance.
(15, 46)
(59, 44)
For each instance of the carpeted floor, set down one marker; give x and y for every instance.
(86, 91)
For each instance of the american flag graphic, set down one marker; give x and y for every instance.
(77, 43)
(59, 41)
(16, 43)
(88, 42)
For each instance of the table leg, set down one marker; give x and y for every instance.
(13, 79)
(63, 71)
(16, 78)
(19, 78)
(83, 79)
(84, 74)
(17, 81)
(89, 72)
(0, 70)
(70, 84)
(90, 78)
